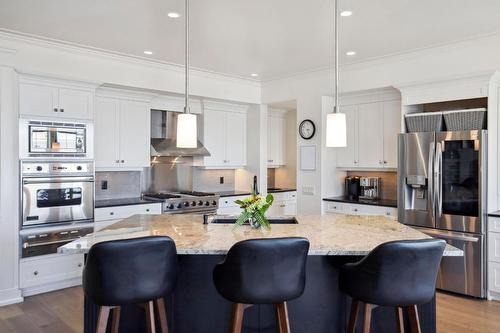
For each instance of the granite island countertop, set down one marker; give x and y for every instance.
(335, 235)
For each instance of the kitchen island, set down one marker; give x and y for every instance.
(197, 307)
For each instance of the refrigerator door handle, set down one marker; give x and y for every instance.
(438, 172)
(430, 179)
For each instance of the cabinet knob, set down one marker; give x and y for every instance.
(147, 210)
(80, 264)
(35, 273)
(111, 213)
(122, 161)
(117, 161)
(387, 213)
(61, 110)
(56, 109)
(355, 162)
(385, 162)
(355, 209)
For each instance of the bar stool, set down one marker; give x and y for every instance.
(400, 274)
(263, 271)
(132, 271)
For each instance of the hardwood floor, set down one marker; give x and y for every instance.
(62, 312)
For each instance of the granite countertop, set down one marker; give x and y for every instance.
(123, 202)
(379, 202)
(337, 234)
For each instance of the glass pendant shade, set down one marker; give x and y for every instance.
(187, 131)
(336, 135)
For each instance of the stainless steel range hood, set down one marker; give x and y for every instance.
(164, 134)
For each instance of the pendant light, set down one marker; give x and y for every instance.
(187, 132)
(336, 135)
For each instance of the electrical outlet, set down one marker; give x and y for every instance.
(221, 180)
(104, 185)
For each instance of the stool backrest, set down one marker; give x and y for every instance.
(263, 270)
(130, 271)
(401, 272)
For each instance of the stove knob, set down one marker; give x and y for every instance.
(186, 204)
(200, 203)
(214, 203)
(79, 168)
(39, 168)
(179, 205)
(171, 206)
(193, 203)
(207, 203)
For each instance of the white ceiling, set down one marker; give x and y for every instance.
(273, 38)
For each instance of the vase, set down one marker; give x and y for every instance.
(254, 223)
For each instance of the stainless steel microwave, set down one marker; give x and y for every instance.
(57, 139)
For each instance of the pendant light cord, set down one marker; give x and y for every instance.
(336, 62)
(186, 55)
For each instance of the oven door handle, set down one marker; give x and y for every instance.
(57, 180)
(67, 240)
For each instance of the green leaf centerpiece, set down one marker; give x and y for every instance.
(254, 211)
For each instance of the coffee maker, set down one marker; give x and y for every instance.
(352, 187)
(369, 188)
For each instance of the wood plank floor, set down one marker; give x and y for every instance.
(62, 312)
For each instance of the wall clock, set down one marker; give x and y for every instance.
(307, 129)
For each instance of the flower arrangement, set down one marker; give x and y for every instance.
(254, 211)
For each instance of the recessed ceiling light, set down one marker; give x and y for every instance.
(254, 75)
(148, 52)
(346, 13)
(350, 53)
(173, 15)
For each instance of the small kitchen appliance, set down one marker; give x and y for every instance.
(352, 188)
(369, 188)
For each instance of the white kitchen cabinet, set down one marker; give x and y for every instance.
(50, 272)
(331, 207)
(371, 136)
(276, 131)
(55, 98)
(493, 256)
(117, 213)
(224, 135)
(285, 204)
(122, 135)
(227, 205)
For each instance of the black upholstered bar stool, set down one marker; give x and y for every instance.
(400, 274)
(263, 271)
(132, 271)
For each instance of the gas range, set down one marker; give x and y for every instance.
(186, 202)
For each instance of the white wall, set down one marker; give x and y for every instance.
(9, 184)
(432, 64)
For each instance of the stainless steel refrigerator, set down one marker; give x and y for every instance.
(442, 189)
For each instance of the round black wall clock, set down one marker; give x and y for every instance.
(307, 129)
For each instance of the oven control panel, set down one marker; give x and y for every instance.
(56, 168)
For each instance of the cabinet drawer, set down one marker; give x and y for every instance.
(334, 207)
(494, 276)
(49, 269)
(122, 212)
(494, 224)
(229, 201)
(494, 247)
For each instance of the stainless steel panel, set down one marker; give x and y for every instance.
(415, 179)
(463, 275)
(34, 213)
(474, 189)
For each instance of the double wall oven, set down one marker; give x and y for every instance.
(442, 191)
(57, 204)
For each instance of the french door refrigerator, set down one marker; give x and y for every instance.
(442, 192)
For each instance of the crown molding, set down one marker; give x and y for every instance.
(112, 55)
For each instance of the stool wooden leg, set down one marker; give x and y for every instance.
(353, 317)
(414, 321)
(368, 318)
(102, 321)
(162, 314)
(238, 309)
(283, 320)
(400, 320)
(150, 317)
(115, 323)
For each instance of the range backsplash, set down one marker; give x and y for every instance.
(121, 184)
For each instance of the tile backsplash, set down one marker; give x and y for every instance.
(120, 184)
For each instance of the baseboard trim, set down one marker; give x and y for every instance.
(10, 296)
(493, 296)
(51, 287)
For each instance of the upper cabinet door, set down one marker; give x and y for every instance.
(236, 124)
(134, 120)
(75, 103)
(347, 157)
(276, 140)
(370, 138)
(392, 126)
(38, 100)
(215, 137)
(106, 133)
